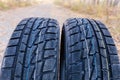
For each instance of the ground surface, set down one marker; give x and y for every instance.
(10, 18)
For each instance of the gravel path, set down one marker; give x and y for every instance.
(9, 19)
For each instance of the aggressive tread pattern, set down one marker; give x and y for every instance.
(89, 52)
(33, 51)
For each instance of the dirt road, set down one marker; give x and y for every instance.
(9, 19)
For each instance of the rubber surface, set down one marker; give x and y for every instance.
(88, 51)
(33, 51)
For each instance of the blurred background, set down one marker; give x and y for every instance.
(13, 11)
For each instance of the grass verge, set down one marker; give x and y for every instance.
(13, 4)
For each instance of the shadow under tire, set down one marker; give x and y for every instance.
(33, 51)
(88, 51)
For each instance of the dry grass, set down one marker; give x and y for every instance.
(13, 4)
(100, 10)
(107, 14)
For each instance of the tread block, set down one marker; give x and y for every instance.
(25, 39)
(72, 39)
(77, 67)
(82, 38)
(72, 25)
(76, 47)
(112, 50)
(49, 76)
(99, 36)
(10, 51)
(103, 52)
(38, 57)
(94, 25)
(109, 40)
(32, 73)
(6, 74)
(52, 24)
(104, 63)
(116, 71)
(8, 62)
(16, 34)
(101, 44)
(75, 57)
(37, 23)
(52, 30)
(51, 36)
(74, 31)
(32, 38)
(20, 57)
(27, 31)
(38, 70)
(84, 21)
(23, 47)
(49, 65)
(23, 22)
(54, 21)
(71, 20)
(31, 22)
(89, 34)
(75, 77)
(114, 59)
(18, 70)
(79, 21)
(13, 42)
(20, 27)
(106, 32)
(48, 53)
(39, 39)
(101, 25)
(40, 47)
(44, 24)
(50, 44)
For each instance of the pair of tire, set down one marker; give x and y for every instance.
(86, 51)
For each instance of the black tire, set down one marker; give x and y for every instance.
(33, 51)
(88, 52)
